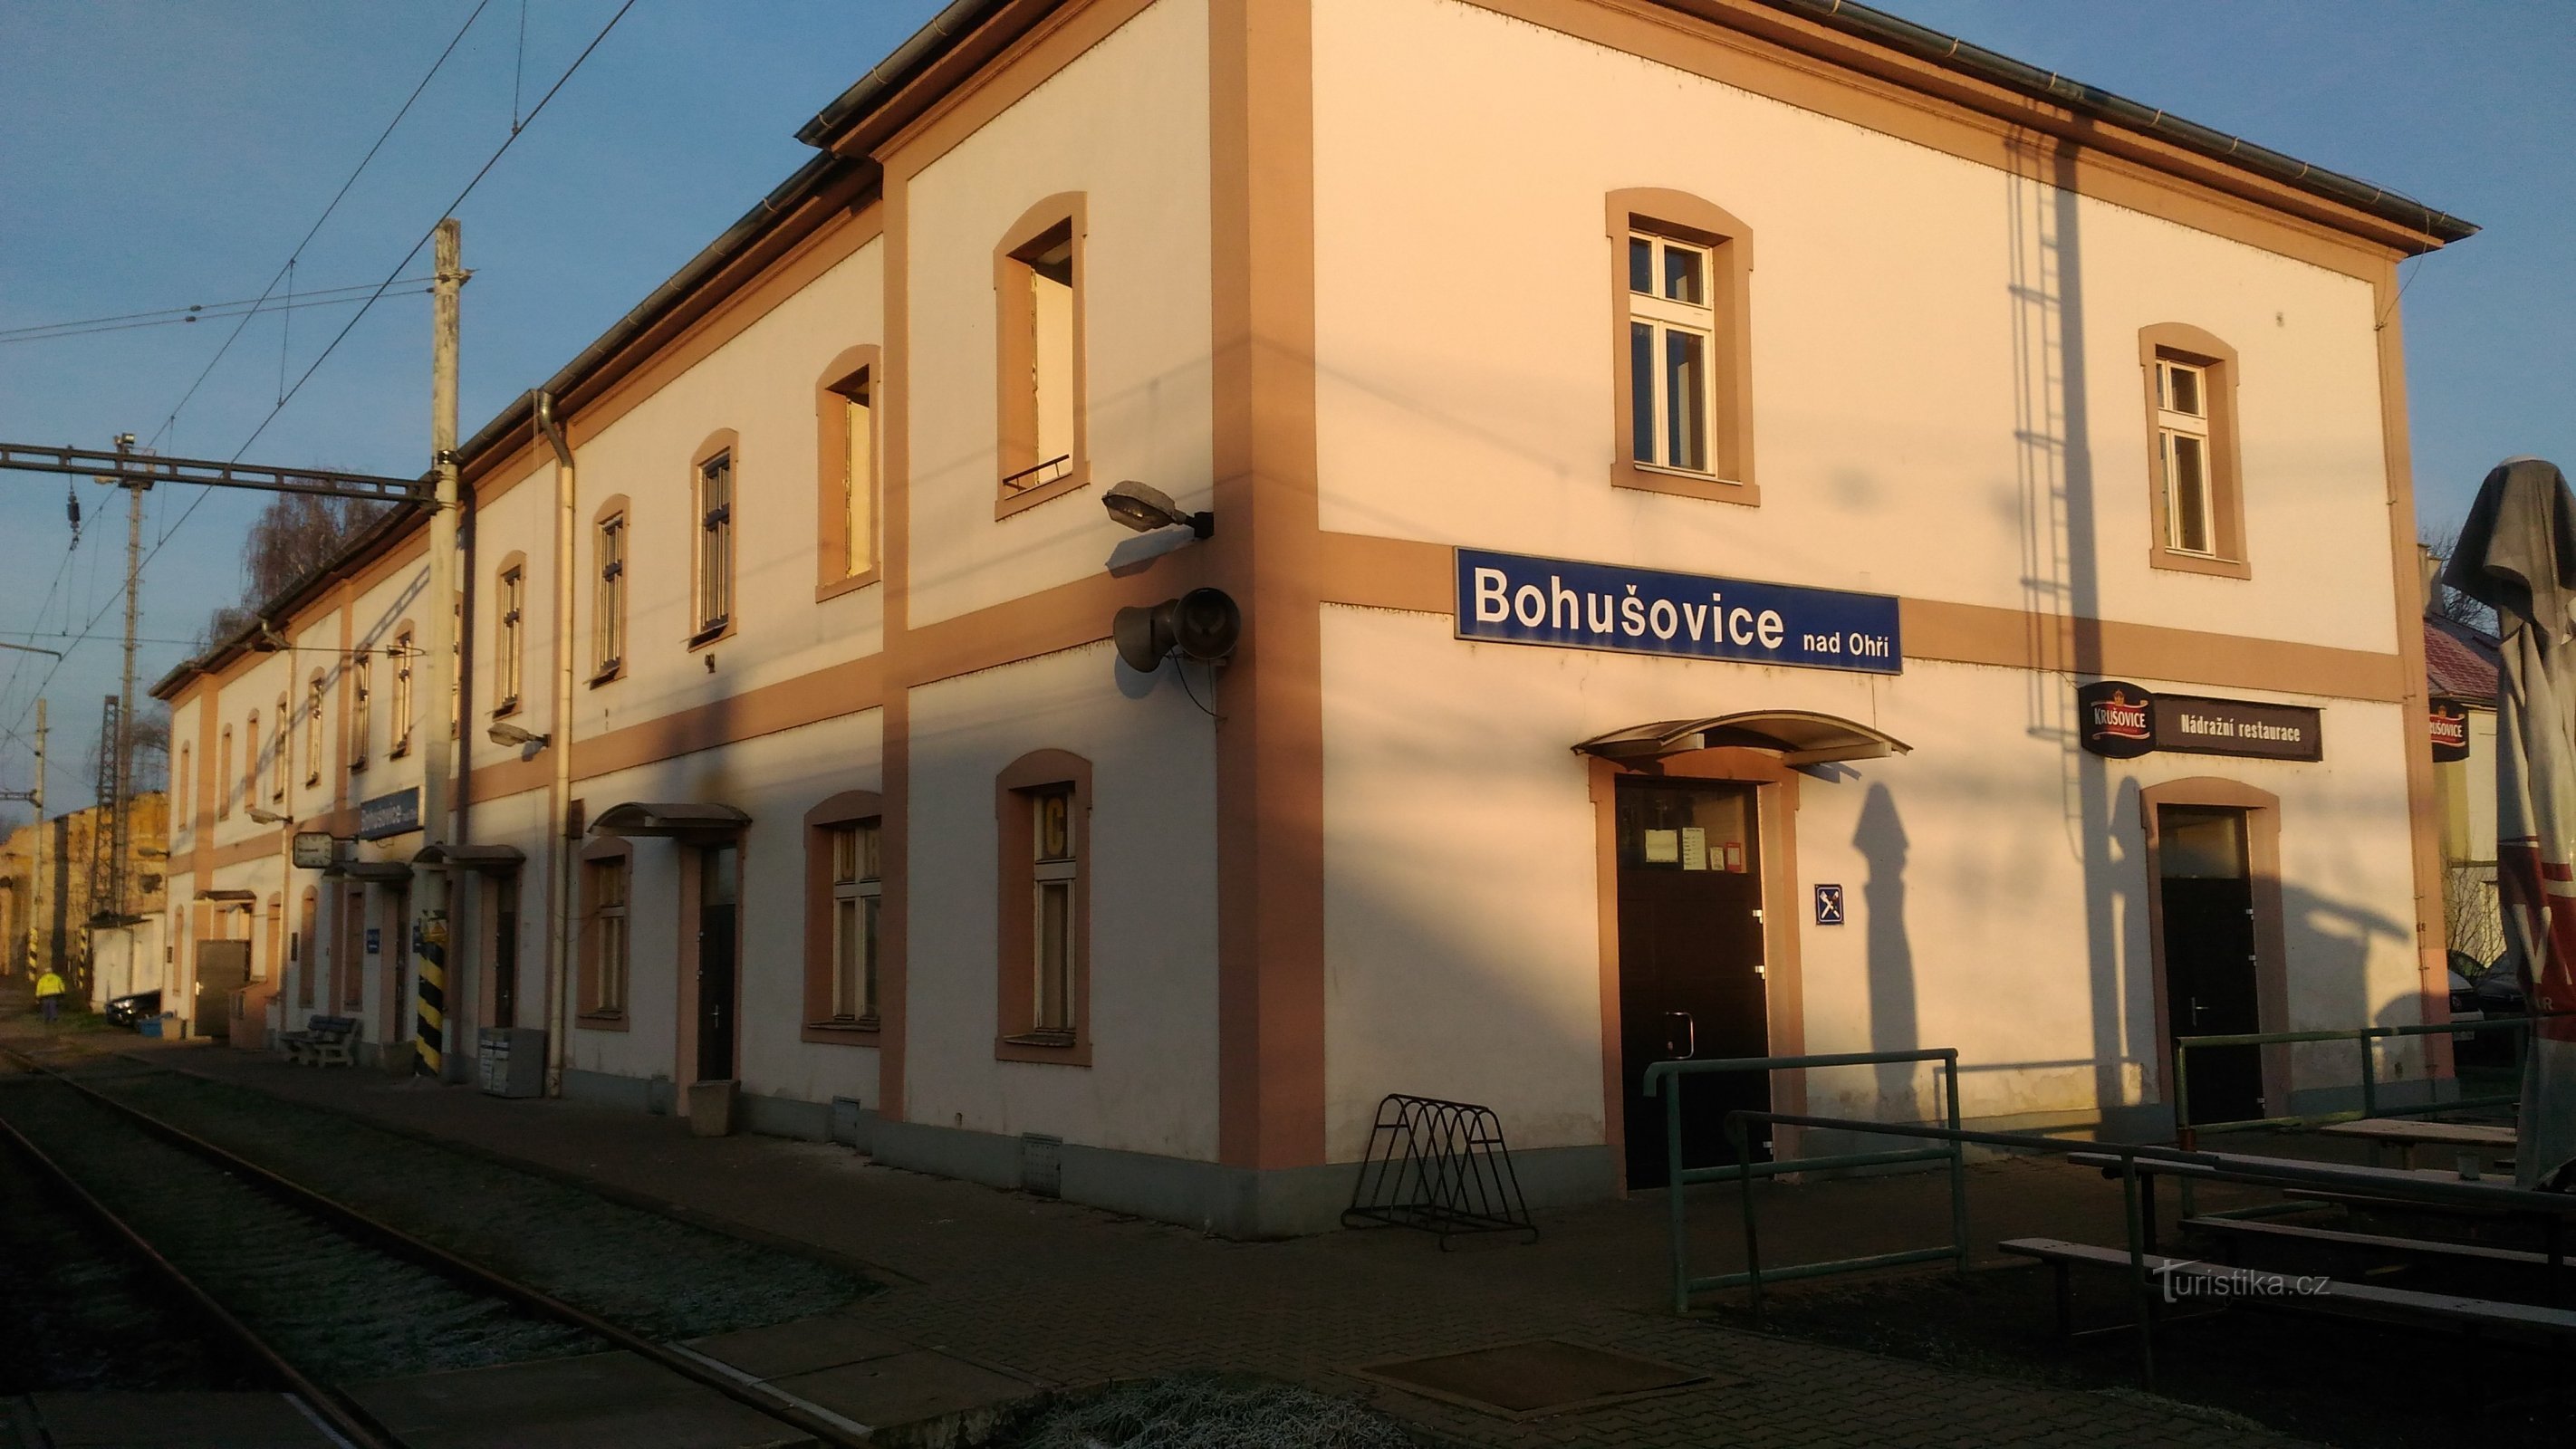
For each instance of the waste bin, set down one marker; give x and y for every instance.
(510, 1061)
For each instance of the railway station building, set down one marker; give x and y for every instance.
(1754, 533)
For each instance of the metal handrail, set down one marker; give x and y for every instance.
(1664, 1079)
(2187, 1132)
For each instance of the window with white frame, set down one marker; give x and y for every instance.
(1055, 870)
(608, 602)
(715, 546)
(511, 647)
(857, 888)
(1672, 332)
(2183, 437)
(608, 935)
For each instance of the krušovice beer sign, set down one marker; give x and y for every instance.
(2122, 721)
(1514, 599)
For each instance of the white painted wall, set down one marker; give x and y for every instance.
(1126, 124)
(1462, 922)
(1462, 160)
(1152, 1083)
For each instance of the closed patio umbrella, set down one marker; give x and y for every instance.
(2517, 554)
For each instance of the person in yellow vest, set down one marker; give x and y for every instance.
(49, 995)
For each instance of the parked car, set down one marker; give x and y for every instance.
(131, 1012)
(2464, 974)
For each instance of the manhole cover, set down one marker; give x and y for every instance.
(1542, 1376)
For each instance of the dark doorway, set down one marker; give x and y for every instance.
(223, 967)
(717, 868)
(1690, 964)
(505, 949)
(2207, 902)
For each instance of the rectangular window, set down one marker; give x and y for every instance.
(2182, 434)
(608, 936)
(857, 888)
(608, 600)
(313, 731)
(278, 762)
(512, 645)
(401, 654)
(715, 546)
(1057, 936)
(183, 806)
(250, 761)
(1672, 327)
(362, 691)
(224, 776)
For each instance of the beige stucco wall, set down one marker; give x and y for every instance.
(1947, 394)
(1152, 1083)
(761, 384)
(1127, 125)
(1995, 879)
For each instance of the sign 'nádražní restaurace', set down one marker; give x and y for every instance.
(1567, 604)
(2121, 721)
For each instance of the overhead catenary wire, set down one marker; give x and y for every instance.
(201, 312)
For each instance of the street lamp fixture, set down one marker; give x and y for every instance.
(505, 733)
(1145, 508)
(269, 817)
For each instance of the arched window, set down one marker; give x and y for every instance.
(2195, 495)
(1038, 289)
(713, 471)
(313, 737)
(1681, 318)
(844, 885)
(846, 486)
(1043, 803)
(609, 541)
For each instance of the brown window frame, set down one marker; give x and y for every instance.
(224, 776)
(608, 589)
(250, 760)
(281, 761)
(847, 809)
(362, 706)
(509, 632)
(596, 1013)
(314, 737)
(843, 562)
(2197, 347)
(712, 540)
(1015, 789)
(183, 806)
(1680, 216)
(1015, 354)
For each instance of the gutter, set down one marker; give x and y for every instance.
(562, 946)
(1952, 53)
(960, 16)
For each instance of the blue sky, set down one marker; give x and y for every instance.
(162, 154)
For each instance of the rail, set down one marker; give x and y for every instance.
(1665, 1079)
(826, 1428)
(2187, 1132)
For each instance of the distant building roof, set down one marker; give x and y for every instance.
(2460, 661)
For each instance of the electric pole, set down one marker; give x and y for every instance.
(120, 817)
(430, 878)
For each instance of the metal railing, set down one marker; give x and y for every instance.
(2187, 1132)
(1665, 1079)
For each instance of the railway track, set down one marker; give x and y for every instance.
(313, 1292)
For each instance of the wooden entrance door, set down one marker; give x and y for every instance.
(1690, 963)
(223, 967)
(2207, 904)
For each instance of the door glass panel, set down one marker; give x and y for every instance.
(1686, 830)
(716, 886)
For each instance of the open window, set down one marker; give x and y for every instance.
(1038, 285)
(2195, 488)
(510, 634)
(1681, 289)
(846, 487)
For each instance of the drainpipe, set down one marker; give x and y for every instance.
(560, 942)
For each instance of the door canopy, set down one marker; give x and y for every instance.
(686, 820)
(1800, 736)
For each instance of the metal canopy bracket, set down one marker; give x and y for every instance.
(636, 820)
(1801, 737)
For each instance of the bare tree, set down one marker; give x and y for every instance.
(2445, 602)
(294, 535)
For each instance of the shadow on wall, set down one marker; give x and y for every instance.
(1892, 1017)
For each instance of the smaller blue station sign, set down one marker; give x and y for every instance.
(1566, 604)
(394, 814)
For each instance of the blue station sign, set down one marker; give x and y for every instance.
(394, 814)
(1516, 599)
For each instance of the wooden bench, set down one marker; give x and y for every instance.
(2375, 1242)
(325, 1041)
(2405, 1135)
(2255, 1287)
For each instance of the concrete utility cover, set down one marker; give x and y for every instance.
(1542, 1376)
(166, 1421)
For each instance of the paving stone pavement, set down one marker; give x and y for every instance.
(1071, 1295)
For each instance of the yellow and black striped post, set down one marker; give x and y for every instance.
(432, 993)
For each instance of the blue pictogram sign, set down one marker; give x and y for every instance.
(1829, 905)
